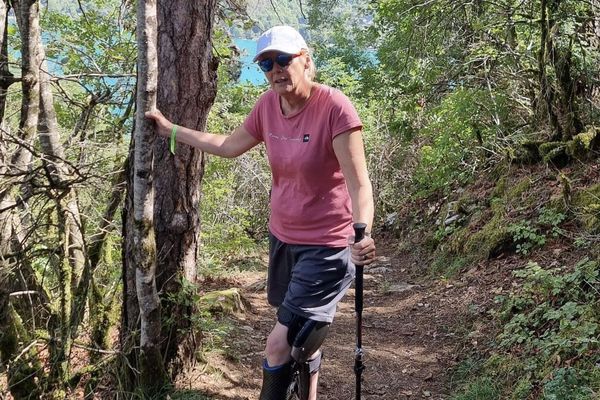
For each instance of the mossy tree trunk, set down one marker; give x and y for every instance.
(18, 352)
(6, 77)
(547, 93)
(187, 89)
(13, 237)
(73, 258)
(557, 100)
(140, 257)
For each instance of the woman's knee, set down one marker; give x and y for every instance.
(277, 349)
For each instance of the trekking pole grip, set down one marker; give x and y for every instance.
(359, 234)
(359, 231)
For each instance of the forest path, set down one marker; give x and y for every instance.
(413, 329)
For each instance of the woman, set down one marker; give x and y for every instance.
(320, 186)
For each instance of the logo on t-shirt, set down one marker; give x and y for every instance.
(306, 138)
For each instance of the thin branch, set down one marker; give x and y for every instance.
(25, 350)
(302, 10)
(23, 292)
(275, 9)
(74, 77)
(81, 9)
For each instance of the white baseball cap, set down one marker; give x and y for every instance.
(284, 39)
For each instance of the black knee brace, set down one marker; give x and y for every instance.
(305, 336)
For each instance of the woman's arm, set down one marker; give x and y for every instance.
(228, 146)
(349, 150)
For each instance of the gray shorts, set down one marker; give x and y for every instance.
(308, 280)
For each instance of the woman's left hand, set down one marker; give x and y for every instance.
(363, 252)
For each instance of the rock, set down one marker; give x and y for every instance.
(379, 270)
(227, 301)
(391, 220)
(258, 286)
(401, 287)
(451, 219)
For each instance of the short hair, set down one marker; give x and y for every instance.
(311, 72)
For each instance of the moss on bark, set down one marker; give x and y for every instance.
(586, 206)
(22, 369)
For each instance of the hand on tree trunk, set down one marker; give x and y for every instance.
(163, 125)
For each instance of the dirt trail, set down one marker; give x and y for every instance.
(410, 339)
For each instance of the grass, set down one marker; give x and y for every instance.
(188, 395)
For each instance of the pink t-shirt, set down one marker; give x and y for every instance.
(310, 203)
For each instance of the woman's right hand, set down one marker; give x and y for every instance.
(163, 125)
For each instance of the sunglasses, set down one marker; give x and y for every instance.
(283, 60)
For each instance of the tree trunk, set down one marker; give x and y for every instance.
(13, 231)
(547, 93)
(74, 253)
(140, 241)
(187, 76)
(558, 89)
(27, 12)
(6, 78)
(23, 373)
(596, 20)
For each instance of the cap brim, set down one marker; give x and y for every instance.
(274, 48)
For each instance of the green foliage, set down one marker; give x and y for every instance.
(234, 210)
(333, 73)
(213, 328)
(566, 383)
(453, 132)
(343, 55)
(526, 237)
(586, 205)
(550, 331)
(551, 220)
(225, 222)
(480, 389)
(100, 42)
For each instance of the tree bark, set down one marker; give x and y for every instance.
(12, 233)
(6, 78)
(187, 76)
(27, 12)
(558, 92)
(140, 241)
(547, 93)
(23, 374)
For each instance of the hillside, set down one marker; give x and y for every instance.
(488, 293)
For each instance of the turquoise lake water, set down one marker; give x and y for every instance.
(250, 71)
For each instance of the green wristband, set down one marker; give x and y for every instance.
(172, 140)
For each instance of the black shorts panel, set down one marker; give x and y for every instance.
(308, 280)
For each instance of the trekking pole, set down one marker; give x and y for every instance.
(359, 234)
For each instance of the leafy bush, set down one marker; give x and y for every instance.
(454, 132)
(234, 207)
(526, 237)
(550, 334)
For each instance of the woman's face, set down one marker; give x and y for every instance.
(285, 79)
